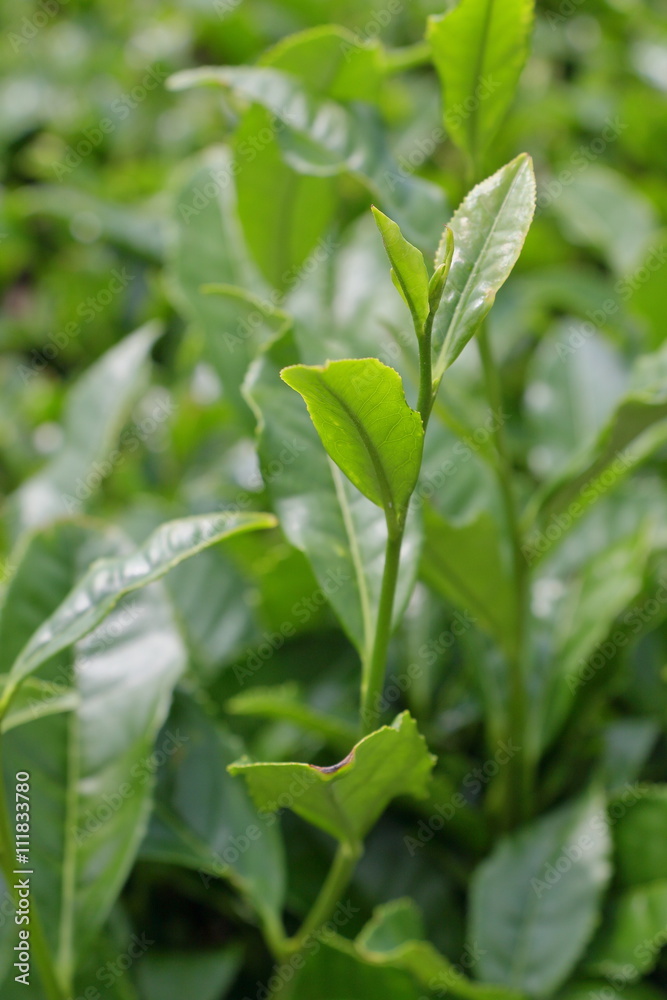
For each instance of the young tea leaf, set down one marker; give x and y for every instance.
(409, 269)
(489, 229)
(479, 49)
(361, 414)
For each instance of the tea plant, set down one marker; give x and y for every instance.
(118, 690)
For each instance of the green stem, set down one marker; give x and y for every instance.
(40, 949)
(375, 666)
(409, 57)
(519, 774)
(336, 882)
(426, 394)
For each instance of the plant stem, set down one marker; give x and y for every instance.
(426, 395)
(519, 777)
(374, 668)
(40, 949)
(408, 57)
(340, 873)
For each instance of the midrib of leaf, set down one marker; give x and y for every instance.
(355, 554)
(383, 482)
(67, 911)
(473, 275)
(479, 62)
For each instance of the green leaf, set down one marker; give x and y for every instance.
(570, 396)
(204, 820)
(641, 849)
(208, 247)
(171, 975)
(603, 209)
(333, 968)
(633, 432)
(388, 959)
(36, 699)
(535, 900)
(285, 703)
(592, 600)
(479, 49)
(342, 533)
(393, 938)
(346, 799)
(91, 768)
(632, 935)
(97, 407)
(361, 414)
(331, 60)
(489, 230)
(409, 269)
(323, 137)
(110, 579)
(284, 213)
(443, 263)
(467, 564)
(587, 988)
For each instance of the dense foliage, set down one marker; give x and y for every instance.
(332, 589)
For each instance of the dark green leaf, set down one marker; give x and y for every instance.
(110, 579)
(205, 820)
(97, 407)
(535, 900)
